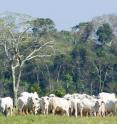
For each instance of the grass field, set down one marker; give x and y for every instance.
(41, 119)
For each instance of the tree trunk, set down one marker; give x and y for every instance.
(50, 87)
(103, 83)
(100, 81)
(98, 69)
(15, 98)
(91, 92)
(58, 73)
(14, 86)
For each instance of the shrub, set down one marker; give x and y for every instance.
(60, 92)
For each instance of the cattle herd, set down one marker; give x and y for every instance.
(70, 105)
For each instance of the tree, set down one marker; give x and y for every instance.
(20, 47)
(86, 31)
(42, 26)
(68, 81)
(82, 31)
(104, 33)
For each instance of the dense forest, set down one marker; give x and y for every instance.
(35, 56)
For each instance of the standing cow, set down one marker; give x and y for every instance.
(6, 105)
(28, 103)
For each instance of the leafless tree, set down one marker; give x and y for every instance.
(11, 41)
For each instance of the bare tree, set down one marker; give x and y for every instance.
(11, 42)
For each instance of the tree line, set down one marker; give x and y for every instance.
(38, 57)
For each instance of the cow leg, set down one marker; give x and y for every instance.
(67, 112)
(11, 111)
(87, 113)
(26, 111)
(53, 111)
(76, 112)
(47, 111)
(81, 110)
(95, 114)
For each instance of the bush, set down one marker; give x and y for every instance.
(34, 88)
(60, 92)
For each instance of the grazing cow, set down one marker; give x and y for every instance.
(6, 105)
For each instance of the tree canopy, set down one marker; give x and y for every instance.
(38, 57)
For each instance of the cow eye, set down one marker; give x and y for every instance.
(47, 98)
(36, 98)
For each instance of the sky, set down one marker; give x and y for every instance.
(65, 13)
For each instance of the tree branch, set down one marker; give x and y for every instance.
(38, 56)
(30, 56)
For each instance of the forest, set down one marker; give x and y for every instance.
(36, 56)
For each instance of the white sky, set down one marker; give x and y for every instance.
(65, 13)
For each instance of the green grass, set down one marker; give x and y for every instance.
(41, 119)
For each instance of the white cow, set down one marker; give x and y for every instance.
(28, 103)
(60, 105)
(22, 104)
(111, 107)
(44, 105)
(106, 96)
(102, 109)
(74, 106)
(110, 102)
(87, 106)
(33, 103)
(52, 95)
(6, 105)
(116, 106)
(82, 103)
(68, 96)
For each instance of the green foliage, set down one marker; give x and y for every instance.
(104, 33)
(60, 92)
(34, 88)
(68, 78)
(75, 52)
(6, 87)
(100, 52)
(42, 26)
(77, 64)
(68, 82)
(79, 52)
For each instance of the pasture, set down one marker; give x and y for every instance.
(50, 119)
